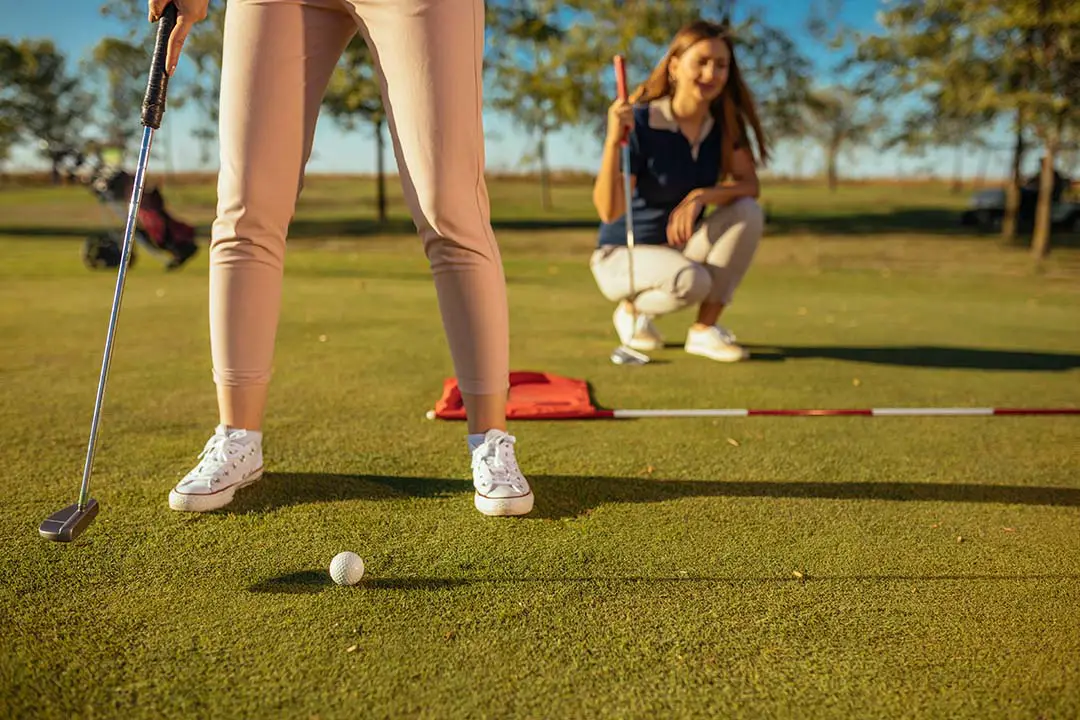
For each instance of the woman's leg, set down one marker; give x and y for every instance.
(430, 57)
(277, 61)
(664, 281)
(430, 54)
(725, 244)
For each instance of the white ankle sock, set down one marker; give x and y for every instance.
(475, 440)
(255, 435)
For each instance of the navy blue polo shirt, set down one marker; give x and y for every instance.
(667, 167)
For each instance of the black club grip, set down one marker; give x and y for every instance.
(153, 109)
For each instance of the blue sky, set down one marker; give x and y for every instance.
(75, 26)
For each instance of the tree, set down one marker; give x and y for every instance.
(354, 95)
(1052, 30)
(533, 82)
(836, 119)
(1016, 59)
(124, 68)
(45, 103)
(9, 136)
(9, 122)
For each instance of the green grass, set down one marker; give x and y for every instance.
(659, 575)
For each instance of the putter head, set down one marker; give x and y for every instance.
(624, 355)
(67, 524)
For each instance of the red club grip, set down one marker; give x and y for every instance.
(620, 76)
(620, 81)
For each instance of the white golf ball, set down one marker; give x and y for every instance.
(346, 568)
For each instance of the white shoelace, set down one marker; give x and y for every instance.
(498, 455)
(722, 333)
(726, 335)
(219, 450)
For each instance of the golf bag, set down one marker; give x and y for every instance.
(156, 231)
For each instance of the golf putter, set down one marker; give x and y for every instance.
(624, 354)
(67, 524)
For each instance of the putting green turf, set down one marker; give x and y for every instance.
(760, 567)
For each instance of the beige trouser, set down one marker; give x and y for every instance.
(709, 268)
(278, 59)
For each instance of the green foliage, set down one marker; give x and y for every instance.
(973, 60)
(532, 74)
(123, 68)
(39, 100)
(837, 119)
(9, 121)
(9, 135)
(354, 94)
(534, 66)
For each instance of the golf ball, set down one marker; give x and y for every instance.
(346, 568)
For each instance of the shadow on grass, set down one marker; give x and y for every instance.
(559, 496)
(315, 229)
(917, 221)
(313, 581)
(921, 220)
(312, 229)
(46, 231)
(924, 221)
(923, 356)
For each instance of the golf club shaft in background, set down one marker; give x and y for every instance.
(620, 79)
(153, 110)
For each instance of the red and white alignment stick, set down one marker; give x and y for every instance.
(870, 412)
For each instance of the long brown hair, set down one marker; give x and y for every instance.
(734, 107)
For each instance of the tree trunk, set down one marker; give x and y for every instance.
(1040, 241)
(545, 180)
(1012, 190)
(958, 170)
(831, 173)
(380, 170)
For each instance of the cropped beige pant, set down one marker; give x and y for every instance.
(278, 59)
(708, 269)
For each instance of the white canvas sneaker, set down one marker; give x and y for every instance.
(642, 335)
(501, 489)
(716, 343)
(231, 460)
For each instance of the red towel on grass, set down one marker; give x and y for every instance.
(533, 396)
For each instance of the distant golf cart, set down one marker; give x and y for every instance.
(986, 209)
